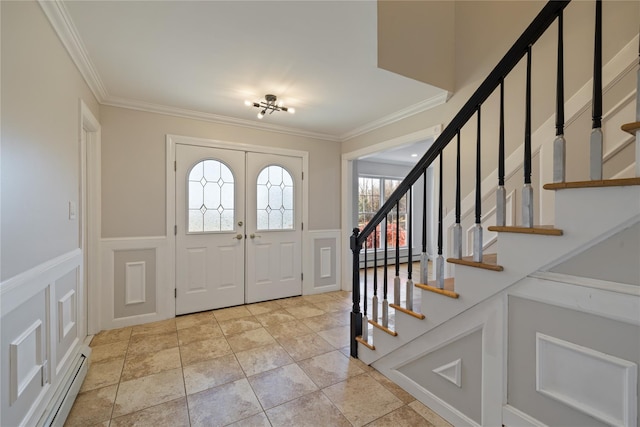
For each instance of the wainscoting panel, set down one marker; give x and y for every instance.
(66, 302)
(135, 284)
(590, 381)
(40, 333)
(323, 262)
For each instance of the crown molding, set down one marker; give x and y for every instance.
(62, 24)
(210, 117)
(420, 107)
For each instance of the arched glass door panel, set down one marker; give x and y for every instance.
(275, 201)
(211, 197)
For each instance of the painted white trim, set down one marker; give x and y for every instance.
(412, 110)
(20, 288)
(40, 282)
(605, 285)
(584, 369)
(489, 317)
(308, 287)
(60, 20)
(135, 282)
(451, 372)
(611, 305)
(513, 417)
(18, 382)
(214, 118)
(64, 306)
(165, 302)
(91, 220)
(171, 142)
(62, 24)
(347, 191)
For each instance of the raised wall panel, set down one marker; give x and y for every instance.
(452, 372)
(325, 262)
(135, 282)
(66, 314)
(562, 372)
(66, 299)
(135, 285)
(26, 359)
(595, 383)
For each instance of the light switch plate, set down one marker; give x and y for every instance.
(72, 210)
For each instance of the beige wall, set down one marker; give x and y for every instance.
(484, 31)
(416, 40)
(134, 159)
(41, 92)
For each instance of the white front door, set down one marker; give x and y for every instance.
(274, 226)
(226, 255)
(210, 228)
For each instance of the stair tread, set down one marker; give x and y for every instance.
(383, 328)
(622, 182)
(631, 127)
(448, 290)
(489, 262)
(546, 230)
(365, 343)
(407, 311)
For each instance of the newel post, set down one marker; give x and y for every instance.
(356, 316)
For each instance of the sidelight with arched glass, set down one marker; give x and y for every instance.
(211, 194)
(275, 207)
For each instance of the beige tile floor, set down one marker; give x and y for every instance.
(276, 363)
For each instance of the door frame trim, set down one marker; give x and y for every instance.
(171, 142)
(90, 219)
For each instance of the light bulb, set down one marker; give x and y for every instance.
(291, 110)
(248, 103)
(261, 114)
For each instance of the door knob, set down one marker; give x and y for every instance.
(253, 236)
(238, 236)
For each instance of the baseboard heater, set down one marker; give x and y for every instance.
(58, 409)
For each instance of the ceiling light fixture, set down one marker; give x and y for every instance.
(269, 105)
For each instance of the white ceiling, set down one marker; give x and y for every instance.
(204, 58)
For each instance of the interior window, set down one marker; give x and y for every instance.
(211, 195)
(372, 193)
(275, 208)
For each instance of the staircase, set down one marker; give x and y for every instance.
(503, 338)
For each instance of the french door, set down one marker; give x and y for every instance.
(238, 227)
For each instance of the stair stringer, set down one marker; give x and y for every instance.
(586, 215)
(605, 299)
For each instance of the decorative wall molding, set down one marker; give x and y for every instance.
(39, 314)
(594, 383)
(451, 372)
(135, 282)
(20, 288)
(26, 359)
(323, 262)
(165, 303)
(66, 314)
